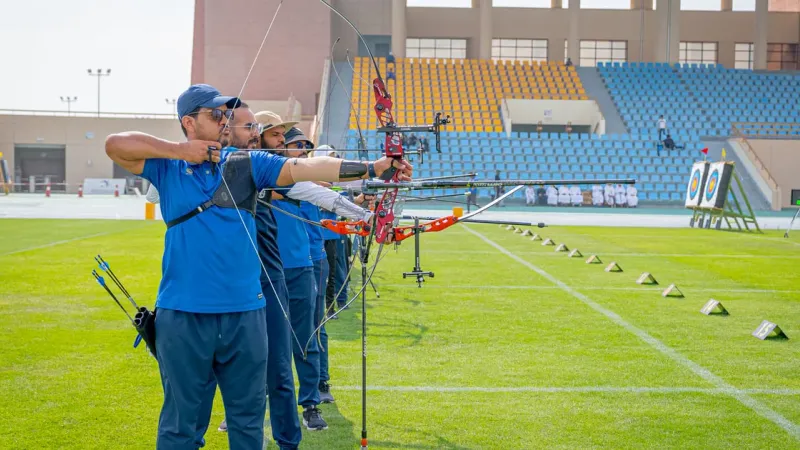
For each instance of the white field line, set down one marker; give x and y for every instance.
(742, 396)
(572, 389)
(597, 288)
(613, 253)
(54, 243)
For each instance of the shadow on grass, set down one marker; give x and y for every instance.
(341, 432)
(415, 334)
(436, 442)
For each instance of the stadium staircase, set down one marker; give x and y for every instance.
(596, 90)
(757, 199)
(337, 106)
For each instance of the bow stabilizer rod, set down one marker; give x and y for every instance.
(368, 185)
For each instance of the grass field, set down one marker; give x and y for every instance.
(511, 345)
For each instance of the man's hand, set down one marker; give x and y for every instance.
(405, 169)
(196, 152)
(363, 198)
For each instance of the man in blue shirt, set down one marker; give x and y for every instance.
(298, 145)
(302, 267)
(209, 322)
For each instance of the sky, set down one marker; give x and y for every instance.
(49, 44)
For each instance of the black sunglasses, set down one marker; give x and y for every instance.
(216, 114)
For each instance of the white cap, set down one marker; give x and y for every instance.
(326, 150)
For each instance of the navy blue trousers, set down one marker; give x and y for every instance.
(302, 307)
(194, 349)
(341, 271)
(321, 272)
(283, 416)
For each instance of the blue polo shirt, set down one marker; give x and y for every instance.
(209, 264)
(268, 242)
(293, 240)
(317, 244)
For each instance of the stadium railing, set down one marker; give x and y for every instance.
(741, 138)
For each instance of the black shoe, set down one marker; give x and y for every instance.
(325, 392)
(312, 419)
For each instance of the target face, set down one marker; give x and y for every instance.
(711, 187)
(694, 184)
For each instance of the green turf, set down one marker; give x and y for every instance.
(70, 379)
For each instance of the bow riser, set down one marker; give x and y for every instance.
(384, 213)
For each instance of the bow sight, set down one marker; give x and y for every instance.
(435, 128)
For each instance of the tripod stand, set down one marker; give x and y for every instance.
(417, 270)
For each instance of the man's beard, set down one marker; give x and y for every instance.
(254, 143)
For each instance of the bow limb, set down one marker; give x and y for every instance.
(393, 146)
(403, 233)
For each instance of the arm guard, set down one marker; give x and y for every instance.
(328, 199)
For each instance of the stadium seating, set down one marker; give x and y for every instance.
(729, 95)
(698, 99)
(551, 156)
(469, 90)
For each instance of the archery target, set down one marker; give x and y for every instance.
(697, 182)
(715, 191)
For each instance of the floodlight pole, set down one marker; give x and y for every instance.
(68, 100)
(99, 74)
(173, 102)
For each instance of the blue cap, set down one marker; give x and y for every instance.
(201, 96)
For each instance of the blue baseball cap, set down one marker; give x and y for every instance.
(201, 96)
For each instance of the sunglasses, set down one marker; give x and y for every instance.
(300, 145)
(216, 114)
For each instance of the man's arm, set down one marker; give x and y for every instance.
(325, 168)
(328, 199)
(131, 149)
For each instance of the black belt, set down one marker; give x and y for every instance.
(190, 214)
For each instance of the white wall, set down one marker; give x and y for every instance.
(555, 112)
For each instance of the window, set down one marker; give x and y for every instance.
(605, 4)
(593, 52)
(436, 48)
(744, 56)
(715, 5)
(743, 5)
(697, 53)
(782, 56)
(527, 49)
